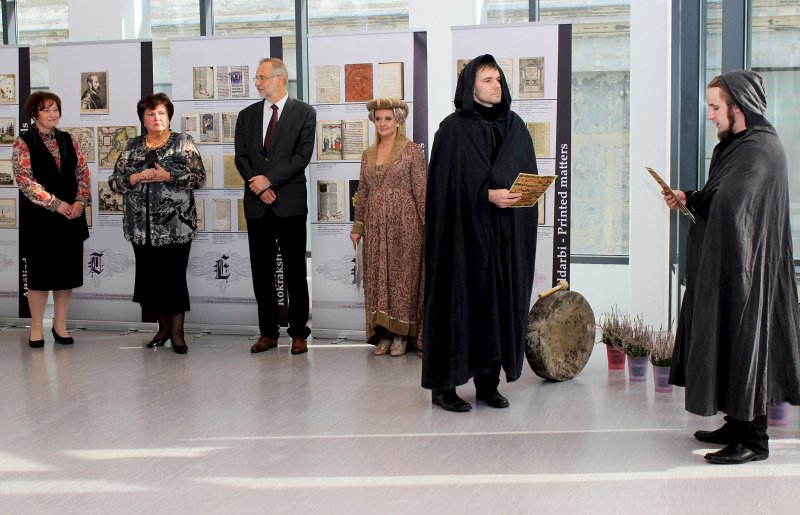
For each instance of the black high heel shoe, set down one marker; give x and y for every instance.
(36, 344)
(156, 342)
(68, 340)
(180, 349)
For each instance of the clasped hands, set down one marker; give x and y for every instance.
(73, 210)
(262, 188)
(155, 174)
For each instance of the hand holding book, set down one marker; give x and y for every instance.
(671, 195)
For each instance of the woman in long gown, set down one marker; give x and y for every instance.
(390, 213)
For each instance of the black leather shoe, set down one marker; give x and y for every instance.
(180, 349)
(448, 400)
(493, 399)
(158, 342)
(736, 454)
(36, 344)
(62, 339)
(724, 435)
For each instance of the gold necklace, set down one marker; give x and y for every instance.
(158, 145)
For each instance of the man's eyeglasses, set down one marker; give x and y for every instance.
(263, 78)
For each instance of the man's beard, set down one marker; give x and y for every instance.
(721, 135)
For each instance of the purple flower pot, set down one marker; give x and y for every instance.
(637, 368)
(661, 379)
(777, 415)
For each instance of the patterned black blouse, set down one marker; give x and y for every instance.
(166, 209)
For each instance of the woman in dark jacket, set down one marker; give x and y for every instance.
(54, 183)
(157, 174)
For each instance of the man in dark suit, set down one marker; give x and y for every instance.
(274, 141)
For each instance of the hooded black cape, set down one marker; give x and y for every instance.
(736, 347)
(479, 259)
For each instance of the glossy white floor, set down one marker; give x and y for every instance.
(106, 426)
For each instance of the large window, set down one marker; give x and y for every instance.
(170, 19)
(253, 17)
(600, 121)
(775, 26)
(41, 22)
(356, 15)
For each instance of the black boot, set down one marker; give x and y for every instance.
(448, 400)
(178, 341)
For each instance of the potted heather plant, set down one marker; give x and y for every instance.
(611, 335)
(661, 358)
(636, 341)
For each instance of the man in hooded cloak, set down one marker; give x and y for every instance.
(736, 347)
(479, 254)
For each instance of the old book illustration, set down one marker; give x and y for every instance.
(231, 178)
(208, 165)
(233, 82)
(8, 212)
(358, 82)
(108, 201)
(330, 201)
(229, 127)
(221, 214)
(190, 126)
(209, 127)
(85, 138)
(328, 91)
(200, 207)
(8, 88)
(202, 82)
(531, 77)
(8, 131)
(241, 219)
(390, 80)
(341, 139)
(540, 137)
(111, 142)
(6, 174)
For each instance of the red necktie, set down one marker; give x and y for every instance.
(271, 127)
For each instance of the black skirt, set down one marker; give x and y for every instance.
(52, 248)
(160, 283)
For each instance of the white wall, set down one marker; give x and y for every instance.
(436, 17)
(649, 145)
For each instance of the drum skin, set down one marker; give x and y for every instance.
(561, 332)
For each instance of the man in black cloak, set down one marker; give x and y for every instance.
(736, 347)
(479, 255)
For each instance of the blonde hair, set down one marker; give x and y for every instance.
(397, 106)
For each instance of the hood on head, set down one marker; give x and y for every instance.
(748, 92)
(464, 97)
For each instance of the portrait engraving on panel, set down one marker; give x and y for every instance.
(94, 93)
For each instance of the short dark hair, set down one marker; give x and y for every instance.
(151, 102)
(37, 101)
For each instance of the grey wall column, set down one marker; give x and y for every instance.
(735, 34)
(10, 34)
(206, 17)
(533, 10)
(301, 43)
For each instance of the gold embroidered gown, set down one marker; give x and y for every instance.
(390, 213)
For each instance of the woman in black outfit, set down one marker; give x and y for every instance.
(157, 174)
(54, 190)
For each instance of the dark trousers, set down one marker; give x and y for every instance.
(290, 233)
(489, 378)
(751, 433)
